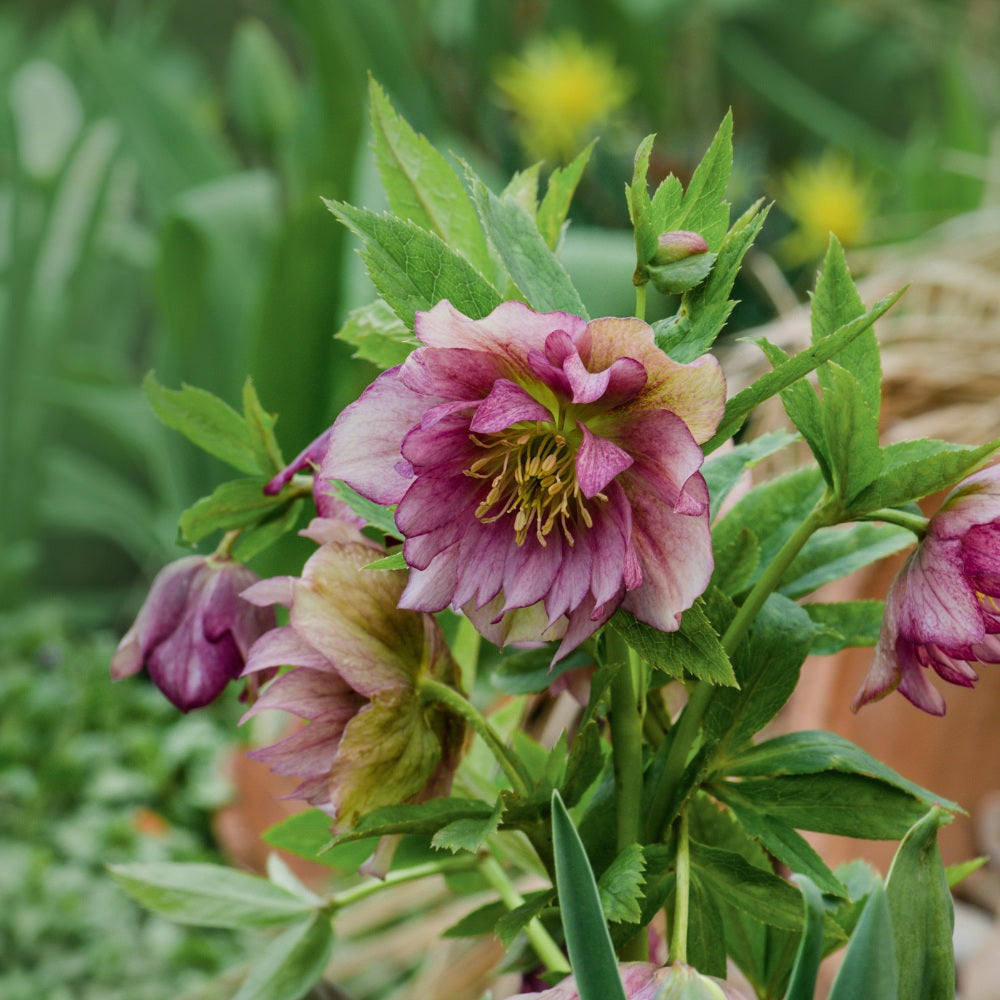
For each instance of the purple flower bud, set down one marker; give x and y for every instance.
(646, 981)
(194, 630)
(678, 245)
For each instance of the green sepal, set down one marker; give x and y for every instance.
(681, 275)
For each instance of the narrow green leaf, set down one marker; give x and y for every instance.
(559, 192)
(379, 517)
(770, 384)
(957, 874)
(378, 335)
(208, 895)
(207, 421)
(845, 624)
(723, 472)
(851, 430)
(420, 184)
(591, 954)
(923, 916)
(413, 269)
(869, 967)
(803, 982)
(292, 963)
(532, 266)
(620, 886)
(639, 204)
(235, 504)
(261, 426)
(393, 561)
(514, 921)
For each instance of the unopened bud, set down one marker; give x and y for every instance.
(681, 262)
(678, 245)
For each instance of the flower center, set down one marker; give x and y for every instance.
(532, 473)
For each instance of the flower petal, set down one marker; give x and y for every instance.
(506, 404)
(598, 461)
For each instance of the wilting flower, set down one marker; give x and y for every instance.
(822, 197)
(358, 661)
(942, 609)
(645, 981)
(545, 468)
(561, 91)
(194, 631)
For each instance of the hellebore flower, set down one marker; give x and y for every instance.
(358, 660)
(645, 981)
(545, 470)
(942, 609)
(194, 631)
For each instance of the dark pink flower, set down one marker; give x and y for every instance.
(358, 660)
(194, 631)
(942, 609)
(545, 470)
(646, 981)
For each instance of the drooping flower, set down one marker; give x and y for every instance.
(193, 632)
(358, 660)
(942, 609)
(646, 981)
(560, 91)
(545, 470)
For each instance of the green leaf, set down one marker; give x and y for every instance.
(379, 517)
(957, 874)
(559, 192)
(468, 834)
(693, 650)
(851, 432)
(591, 954)
(639, 204)
(292, 963)
(681, 276)
(236, 504)
(814, 750)
(420, 184)
(207, 421)
(306, 834)
(412, 269)
(620, 886)
(844, 624)
(736, 564)
(761, 894)
(706, 937)
(532, 266)
(833, 553)
(767, 670)
(254, 540)
(846, 804)
(869, 967)
(378, 335)
(390, 562)
(922, 912)
(723, 472)
(422, 817)
(585, 763)
(208, 895)
(261, 426)
(803, 982)
(915, 469)
(530, 671)
(513, 922)
(743, 403)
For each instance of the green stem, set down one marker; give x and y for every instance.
(916, 523)
(224, 550)
(640, 301)
(682, 892)
(549, 953)
(626, 750)
(432, 690)
(689, 722)
(356, 893)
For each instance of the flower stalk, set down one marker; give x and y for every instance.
(682, 892)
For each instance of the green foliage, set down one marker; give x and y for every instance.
(378, 335)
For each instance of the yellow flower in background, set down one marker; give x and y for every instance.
(560, 90)
(823, 196)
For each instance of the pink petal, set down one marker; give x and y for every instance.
(283, 647)
(598, 461)
(309, 694)
(308, 752)
(274, 590)
(431, 589)
(453, 374)
(506, 404)
(976, 500)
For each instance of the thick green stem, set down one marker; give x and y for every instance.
(549, 953)
(432, 690)
(682, 892)
(640, 301)
(916, 523)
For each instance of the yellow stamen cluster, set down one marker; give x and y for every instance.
(532, 473)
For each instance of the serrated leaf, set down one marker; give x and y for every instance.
(639, 204)
(262, 535)
(412, 269)
(851, 431)
(290, 964)
(532, 266)
(208, 895)
(693, 650)
(379, 517)
(845, 624)
(512, 923)
(620, 886)
(869, 966)
(206, 421)
(236, 504)
(770, 384)
(422, 818)
(923, 916)
(591, 954)
(522, 189)
(468, 834)
(420, 184)
(559, 192)
(378, 335)
(261, 426)
(722, 472)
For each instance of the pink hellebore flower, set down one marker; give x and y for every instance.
(545, 468)
(645, 981)
(942, 609)
(358, 660)
(194, 631)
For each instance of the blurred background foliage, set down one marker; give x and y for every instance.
(161, 169)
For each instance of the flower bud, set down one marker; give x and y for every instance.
(194, 630)
(678, 245)
(646, 981)
(681, 262)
